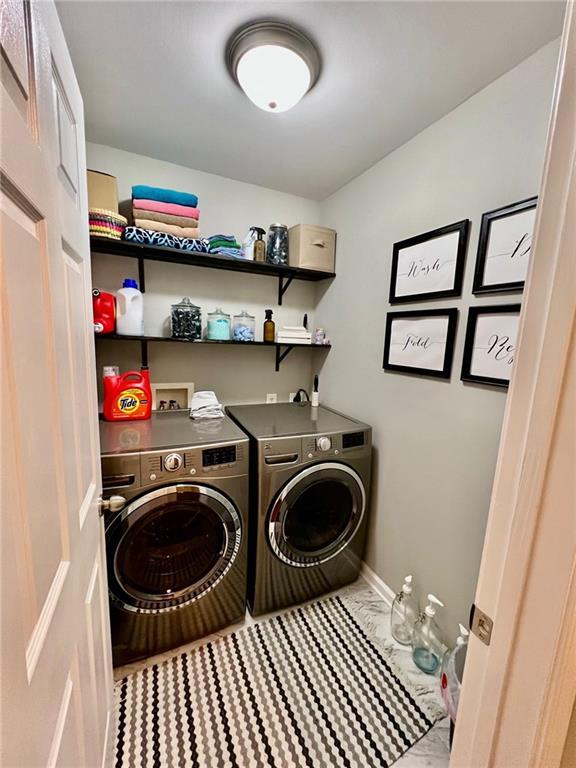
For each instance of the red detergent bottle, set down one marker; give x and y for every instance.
(127, 397)
(104, 309)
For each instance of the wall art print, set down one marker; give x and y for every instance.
(490, 345)
(431, 265)
(504, 248)
(420, 342)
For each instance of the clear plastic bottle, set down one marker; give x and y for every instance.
(452, 673)
(427, 645)
(404, 613)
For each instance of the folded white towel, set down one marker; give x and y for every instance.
(205, 405)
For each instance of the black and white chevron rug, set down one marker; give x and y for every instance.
(308, 688)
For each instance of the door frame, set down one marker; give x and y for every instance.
(519, 691)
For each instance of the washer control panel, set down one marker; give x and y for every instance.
(321, 446)
(163, 466)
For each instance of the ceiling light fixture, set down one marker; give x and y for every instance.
(274, 63)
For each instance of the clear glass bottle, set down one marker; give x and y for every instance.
(269, 327)
(243, 327)
(277, 249)
(427, 646)
(404, 613)
(186, 320)
(218, 326)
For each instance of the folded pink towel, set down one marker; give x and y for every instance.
(173, 208)
(165, 218)
(169, 229)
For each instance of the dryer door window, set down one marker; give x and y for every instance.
(170, 546)
(316, 514)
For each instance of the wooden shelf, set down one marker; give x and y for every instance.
(282, 349)
(144, 253)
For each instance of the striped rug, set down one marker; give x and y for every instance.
(308, 688)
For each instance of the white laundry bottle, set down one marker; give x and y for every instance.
(452, 673)
(129, 309)
(404, 613)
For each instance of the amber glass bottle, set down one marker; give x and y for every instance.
(269, 327)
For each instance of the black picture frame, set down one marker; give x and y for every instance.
(445, 372)
(473, 314)
(488, 218)
(463, 230)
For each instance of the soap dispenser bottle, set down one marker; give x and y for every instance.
(453, 672)
(427, 646)
(404, 613)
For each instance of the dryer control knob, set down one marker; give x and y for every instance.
(173, 462)
(324, 443)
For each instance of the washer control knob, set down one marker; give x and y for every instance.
(324, 444)
(173, 462)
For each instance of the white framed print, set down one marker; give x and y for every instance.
(429, 266)
(490, 344)
(172, 397)
(420, 342)
(504, 248)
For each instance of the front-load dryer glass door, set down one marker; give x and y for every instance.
(316, 514)
(171, 546)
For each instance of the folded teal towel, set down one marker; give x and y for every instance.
(142, 192)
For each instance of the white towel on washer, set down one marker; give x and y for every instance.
(205, 405)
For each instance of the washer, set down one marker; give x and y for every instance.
(309, 500)
(176, 543)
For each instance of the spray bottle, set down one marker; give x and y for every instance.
(404, 613)
(427, 645)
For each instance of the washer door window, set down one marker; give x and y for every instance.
(316, 514)
(171, 546)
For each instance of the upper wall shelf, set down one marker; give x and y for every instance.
(144, 253)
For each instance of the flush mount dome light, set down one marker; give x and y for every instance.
(274, 64)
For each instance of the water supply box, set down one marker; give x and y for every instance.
(311, 247)
(102, 191)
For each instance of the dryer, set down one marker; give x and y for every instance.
(176, 542)
(309, 501)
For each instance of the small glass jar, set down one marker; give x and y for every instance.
(186, 320)
(277, 248)
(243, 327)
(218, 326)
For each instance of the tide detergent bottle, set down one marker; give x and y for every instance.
(127, 396)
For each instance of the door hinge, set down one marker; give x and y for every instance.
(481, 624)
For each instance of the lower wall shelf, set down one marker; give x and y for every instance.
(282, 350)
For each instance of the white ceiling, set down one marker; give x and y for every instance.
(154, 80)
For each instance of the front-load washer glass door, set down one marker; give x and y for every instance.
(316, 514)
(171, 546)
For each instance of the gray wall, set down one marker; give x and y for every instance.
(435, 441)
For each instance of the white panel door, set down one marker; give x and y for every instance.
(56, 672)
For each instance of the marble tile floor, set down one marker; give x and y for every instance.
(432, 750)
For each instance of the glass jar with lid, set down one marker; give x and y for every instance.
(186, 320)
(218, 326)
(243, 326)
(277, 248)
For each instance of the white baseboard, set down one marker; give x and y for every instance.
(378, 585)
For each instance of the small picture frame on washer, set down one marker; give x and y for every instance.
(431, 265)
(490, 344)
(420, 342)
(504, 248)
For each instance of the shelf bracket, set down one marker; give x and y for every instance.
(144, 353)
(283, 287)
(281, 355)
(141, 274)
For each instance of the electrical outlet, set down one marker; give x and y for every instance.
(271, 397)
(291, 397)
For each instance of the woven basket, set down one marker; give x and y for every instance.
(106, 223)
